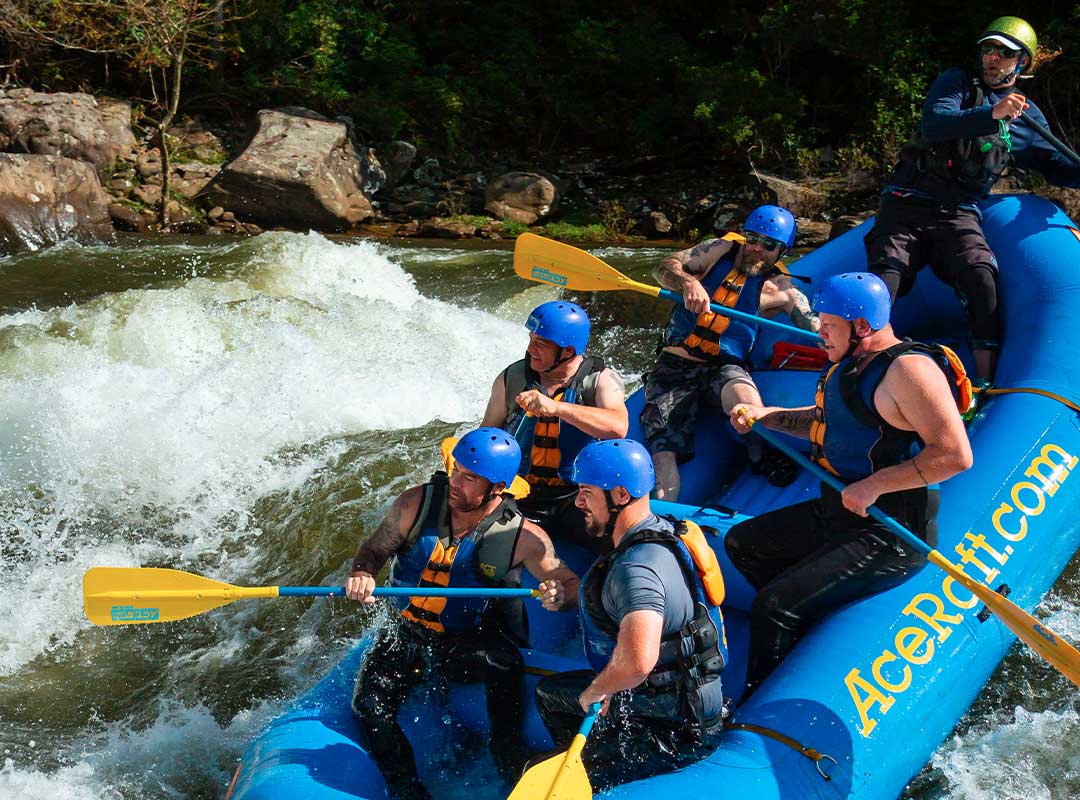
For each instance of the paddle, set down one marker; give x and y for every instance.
(1059, 653)
(560, 777)
(136, 595)
(546, 261)
(1061, 147)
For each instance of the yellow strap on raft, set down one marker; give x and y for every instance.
(814, 755)
(1029, 390)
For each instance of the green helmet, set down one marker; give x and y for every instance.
(1014, 32)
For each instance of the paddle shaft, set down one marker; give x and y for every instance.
(675, 297)
(405, 591)
(1061, 147)
(573, 753)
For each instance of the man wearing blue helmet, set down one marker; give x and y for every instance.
(456, 530)
(555, 401)
(704, 353)
(969, 133)
(885, 421)
(651, 626)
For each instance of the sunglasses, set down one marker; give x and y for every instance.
(764, 242)
(989, 49)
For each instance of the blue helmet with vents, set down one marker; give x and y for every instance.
(489, 452)
(615, 462)
(855, 295)
(561, 322)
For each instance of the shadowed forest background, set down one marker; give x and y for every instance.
(801, 86)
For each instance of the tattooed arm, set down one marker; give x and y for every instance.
(780, 294)
(387, 539)
(795, 421)
(682, 272)
(558, 583)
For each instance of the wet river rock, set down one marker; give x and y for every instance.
(45, 199)
(300, 171)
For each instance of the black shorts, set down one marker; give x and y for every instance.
(911, 232)
(674, 391)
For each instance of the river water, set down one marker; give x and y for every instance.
(247, 410)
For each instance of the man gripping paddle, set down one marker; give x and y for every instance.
(886, 422)
(453, 531)
(703, 360)
(651, 625)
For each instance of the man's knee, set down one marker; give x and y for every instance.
(978, 286)
(739, 390)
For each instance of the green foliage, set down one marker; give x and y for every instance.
(513, 229)
(770, 82)
(569, 232)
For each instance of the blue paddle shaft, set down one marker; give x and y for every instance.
(875, 512)
(590, 720)
(675, 297)
(1062, 148)
(402, 591)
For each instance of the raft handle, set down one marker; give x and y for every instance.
(984, 615)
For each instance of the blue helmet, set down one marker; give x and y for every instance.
(774, 222)
(561, 322)
(855, 295)
(615, 462)
(490, 452)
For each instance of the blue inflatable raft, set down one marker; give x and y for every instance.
(874, 688)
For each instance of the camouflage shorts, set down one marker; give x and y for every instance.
(674, 391)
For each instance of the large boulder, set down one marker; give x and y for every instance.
(300, 171)
(524, 197)
(63, 124)
(45, 199)
(802, 201)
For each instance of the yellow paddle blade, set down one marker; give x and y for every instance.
(560, 777)
(518, 489)
(547, 261)
(136, 595)
(1055, 650)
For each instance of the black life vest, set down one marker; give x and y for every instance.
(692, 658)
(432, 557)
(548, 445)
(960, 170)
(849, 438)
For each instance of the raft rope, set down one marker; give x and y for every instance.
(1028, 390)
(814, 755)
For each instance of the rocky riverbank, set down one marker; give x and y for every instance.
(74, 163)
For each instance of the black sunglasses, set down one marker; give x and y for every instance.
(989, 48)
(764, 242)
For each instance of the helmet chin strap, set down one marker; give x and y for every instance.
(613, 512)
(558, 362)
(853, 340)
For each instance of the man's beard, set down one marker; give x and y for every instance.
(457, 503)
(593, 527)
(752, 268)
(996, 77)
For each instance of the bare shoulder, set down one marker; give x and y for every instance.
(700, 258)
(611, 380)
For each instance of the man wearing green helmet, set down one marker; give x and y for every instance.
(970, 131)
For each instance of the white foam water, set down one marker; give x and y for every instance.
(179, 399)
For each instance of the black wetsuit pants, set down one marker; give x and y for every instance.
(809, 559)
(624, 745)
(405, 655)
(910, 232)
